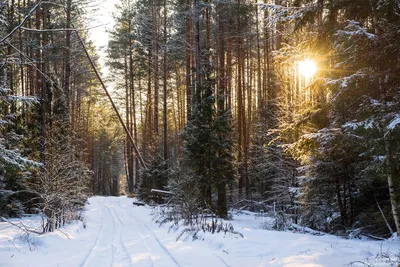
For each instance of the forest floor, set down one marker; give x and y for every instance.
(116, 233)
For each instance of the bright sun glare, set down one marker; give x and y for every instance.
(307, 68)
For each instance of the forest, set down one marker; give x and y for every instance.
(286, 106)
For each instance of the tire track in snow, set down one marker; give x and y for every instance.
(122, 255)
(95, 249)
(143, 228)
(161, 245)
(94, 245)
(143, 241)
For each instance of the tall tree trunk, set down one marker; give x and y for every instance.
(392, 145)
(155, 66)
(221, 98)
(165, 125)
(266, 94)
(10, 73)
(259, 72)
(197, 51)
(240, 106)
(24, 91)
(148, 129)
(129, 150)
(67, 75)
(40, 90)
(134, 130)
(229, 72)
(188, 54)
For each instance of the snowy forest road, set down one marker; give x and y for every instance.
(113, 232)
(118, 234)
(129, 242)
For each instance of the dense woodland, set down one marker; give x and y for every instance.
(212, 95)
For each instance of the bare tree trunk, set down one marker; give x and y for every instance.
(259, 73)
(129, 152)
(188, 61)
(229, 72)
(40, 89)
(133, 128)
(392, 144)
(165, 89)
(11, 66)
(148, 129)
(155, 66)
(197, 50)
(266, 95)
(67, 59)
(221, 98)
(240, 111)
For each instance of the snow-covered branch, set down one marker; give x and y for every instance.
(22, 22)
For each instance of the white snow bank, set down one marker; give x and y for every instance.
(118, 233)
(393, 124)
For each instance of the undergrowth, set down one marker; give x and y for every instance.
(194, 224)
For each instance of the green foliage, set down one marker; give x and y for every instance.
(341, 140)
(155, 176)
(208, 149)
(15, 166)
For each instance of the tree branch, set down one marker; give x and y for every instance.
(62, 30)
(47, 30)
(22, 22)
(23, 227)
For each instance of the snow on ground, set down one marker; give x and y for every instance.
(120, 234)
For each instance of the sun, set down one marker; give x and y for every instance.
(307, 68)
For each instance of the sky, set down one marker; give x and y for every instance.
(102, 22)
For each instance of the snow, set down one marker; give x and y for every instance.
(393, 124)
(379, 158)
(118, 233)
(366, 124)
(344, 82)
(354, 29)
(29, 100)
(284, 13)
(162, 191)
(13, 158)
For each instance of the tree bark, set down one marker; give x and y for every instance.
(188, 61)
(197, 51)
(221, 99)
(67, 75)
(393, 175)
(165, 124)
(155, 67)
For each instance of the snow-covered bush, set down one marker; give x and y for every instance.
(63, 184)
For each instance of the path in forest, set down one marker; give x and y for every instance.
(123, 239)
(118, 234)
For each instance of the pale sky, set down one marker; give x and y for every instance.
(98, 35)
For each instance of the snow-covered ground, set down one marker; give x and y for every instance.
(120, 234)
